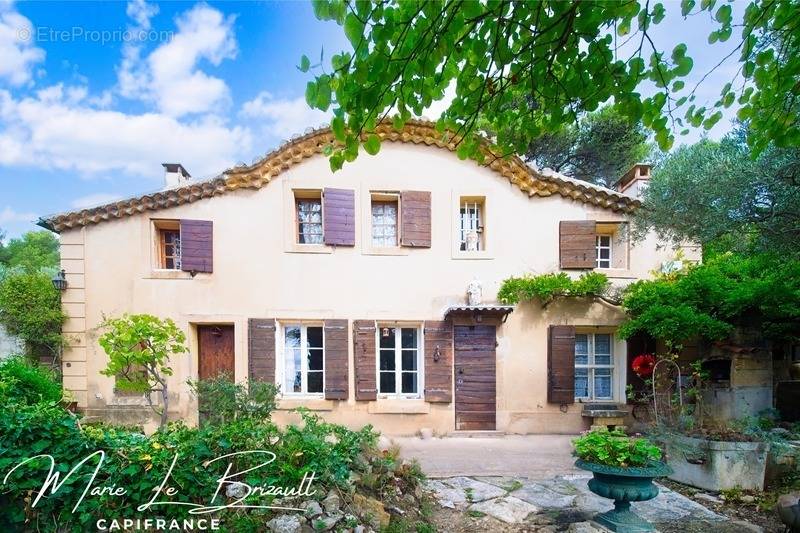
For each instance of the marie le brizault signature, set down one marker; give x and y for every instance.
(164, 494)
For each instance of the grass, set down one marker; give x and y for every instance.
(514, 485)
(475, 514)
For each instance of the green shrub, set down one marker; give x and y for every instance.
(30, 309)
(222, 400)
(614, 448)
(547, 287)
(27, 383)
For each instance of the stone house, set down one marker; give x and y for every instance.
(349, 289)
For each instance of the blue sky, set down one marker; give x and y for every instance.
(94, 96)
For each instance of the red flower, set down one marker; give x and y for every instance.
(643, 365)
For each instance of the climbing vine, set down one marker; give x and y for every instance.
(547, 287)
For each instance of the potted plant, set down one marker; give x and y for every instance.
(623, 469)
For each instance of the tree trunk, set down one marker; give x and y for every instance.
(165, 402)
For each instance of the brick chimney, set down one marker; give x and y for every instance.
(175, 175)
(635, 181)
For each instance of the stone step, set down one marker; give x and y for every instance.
(475, 434)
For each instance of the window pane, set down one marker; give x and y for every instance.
(605, 253)
(602, 383)
(602, 343)
(387, 360)
(292, 335)
(581, 343)
(314, 337)
(409, 385)
(387, 337)
(293, 374)
(409, 360)
(581, 383)
(315, 359)
(309, 218)
(315, 382)
(387, 384)
(409, 337)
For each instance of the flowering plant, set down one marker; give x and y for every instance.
(643, 365)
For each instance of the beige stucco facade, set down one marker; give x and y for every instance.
(259, 271)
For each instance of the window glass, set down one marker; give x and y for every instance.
(384, 224)
(581, 349)
(309, 221)
(169, 243)
(471, 225)
(581, 383)
(304, 359)
(293, 367)
(398, 361)
(603, 247)
(315, 359)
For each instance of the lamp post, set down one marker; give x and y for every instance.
(60, 281)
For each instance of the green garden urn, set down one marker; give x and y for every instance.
(624, 485)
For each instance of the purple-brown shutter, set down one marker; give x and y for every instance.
(339, 217)
(576, 242)
(415, 219)
(561, 365)
(261, 349)
(336, 366)
(197, 245)
(438, 361)
(364, 359)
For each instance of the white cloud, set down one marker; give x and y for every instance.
(169, 77)
(91, 200)
(284, 117)
(60, 128)
(8, 215)
(18, 55)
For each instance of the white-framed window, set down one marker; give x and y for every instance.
(471, 225)
(399, 361)
(168, 244)
(308, 209)
(603, 247)
(303, 359)
(384, 212)
(594, 366)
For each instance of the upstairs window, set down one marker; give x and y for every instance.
(169, 244)
(304, 367)
(471, 232)
(309, 217)
(603, 249)
(594, 366)
(384, 220)
(398, 361)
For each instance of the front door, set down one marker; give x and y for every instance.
(216, 351)
(476, 390)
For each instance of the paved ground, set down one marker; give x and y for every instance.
(530, 456)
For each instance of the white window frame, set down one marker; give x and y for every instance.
(385, 197)
(308, 196)
(398, 361)
(476, 222)
(591, 367)
(303, 359)
(599, 246)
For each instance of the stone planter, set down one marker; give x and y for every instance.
(624, 485)
(717, 465)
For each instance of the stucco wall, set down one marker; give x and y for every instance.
(8, 344)
(259, 272)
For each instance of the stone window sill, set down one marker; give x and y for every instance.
(312, 404)
(309, 249)
(398, 250)
(158, 273)
(399, 407)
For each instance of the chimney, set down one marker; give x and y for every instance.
(175, 175)
(635, 181)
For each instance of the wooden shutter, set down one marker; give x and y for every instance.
(197, 245)
(261, 349)
(561, 365)
(336, 360)
(339, 217)
(415, 219)
(438, 364)
(364, 358)
(576, 242)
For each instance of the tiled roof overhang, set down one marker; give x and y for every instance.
(296, 150)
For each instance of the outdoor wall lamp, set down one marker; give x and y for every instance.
(60, 281)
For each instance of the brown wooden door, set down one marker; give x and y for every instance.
(475, 367)
(216, 351)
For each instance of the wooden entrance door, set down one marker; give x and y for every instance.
(216, 351)
(475, 367)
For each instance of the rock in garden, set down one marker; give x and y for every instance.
(236, 490)
(476, 491)
(285, 524)
(325, 523)
(372, 510)
(510, 510)
(332, 502)
(312, 508)
(707, 497)
(748, 498)
(583, 527)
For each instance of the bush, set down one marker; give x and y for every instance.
(27, 383)
(614, 448)
(221, 400)
(30, 309)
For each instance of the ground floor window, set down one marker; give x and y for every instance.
(594, 366)
(304, 359)
(399, 361)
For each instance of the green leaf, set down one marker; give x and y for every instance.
(323, 92)
(373, 144)
(311, 94)
(305, 63)
(724, 14)
(353, 29)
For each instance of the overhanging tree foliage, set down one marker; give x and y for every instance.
(30, 309)
(527, 68)
(718, 194)
(34, 251)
